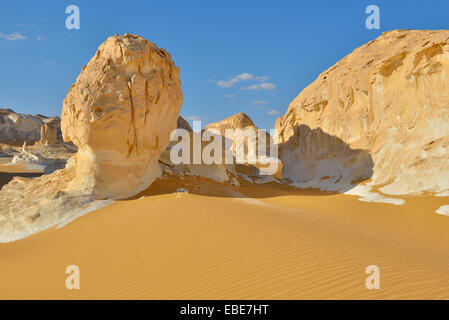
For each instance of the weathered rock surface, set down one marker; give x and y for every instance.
(49, 132)
(236, 121)
(222, 172)
(119, 114)
(47, 158)
(382, 112)
(246, 145)
(242, 126)
(16, 128)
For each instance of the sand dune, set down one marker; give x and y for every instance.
(185, 237)
(281, 244)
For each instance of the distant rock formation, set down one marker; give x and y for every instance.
(45, 157)
(49, 132)
(223, 173)
(16, 128)
(241, 124)
(236, 121)
(120, 113)
(389, 100)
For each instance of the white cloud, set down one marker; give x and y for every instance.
(229, 95)
(193, 118)
(262, 79)
(22, 25)
(241, 77)
(261, 86)
(231, 82)
(49, 63)
(40, 38)
(260, 102)
(12, 36)
(273, 112)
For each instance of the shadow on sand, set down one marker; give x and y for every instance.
(6, 177)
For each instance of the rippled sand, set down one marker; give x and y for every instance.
(222, 242)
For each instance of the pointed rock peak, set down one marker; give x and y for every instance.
(236, 121)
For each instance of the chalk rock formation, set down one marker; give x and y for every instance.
(244, 143)
(120, 113)
(236, 121)
(382, 112)
(16, 128)
(49, 133)
(220, 172)
(243, 128)
(45, 158)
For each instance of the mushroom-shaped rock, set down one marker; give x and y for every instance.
(120, 113)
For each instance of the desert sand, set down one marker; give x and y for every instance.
(364, 181)
(253, 241)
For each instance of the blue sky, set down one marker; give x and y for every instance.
(270, 50)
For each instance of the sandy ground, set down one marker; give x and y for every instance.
(8, 172)
(222, 242)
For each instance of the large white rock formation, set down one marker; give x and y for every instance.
(17, 128)
(382, 112)
(119, 113)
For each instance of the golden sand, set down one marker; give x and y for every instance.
(211, 243)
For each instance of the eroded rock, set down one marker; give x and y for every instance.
(380, 113)
(17, 128)
(119, 114)
(49, 133)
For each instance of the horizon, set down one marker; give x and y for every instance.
(233, 57)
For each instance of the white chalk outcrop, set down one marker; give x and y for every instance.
(44, 157)
(249, 145)
(240, 124)
(220, 172)
(119, 113)
(17, 128)
(49, 132)
(381, 113)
